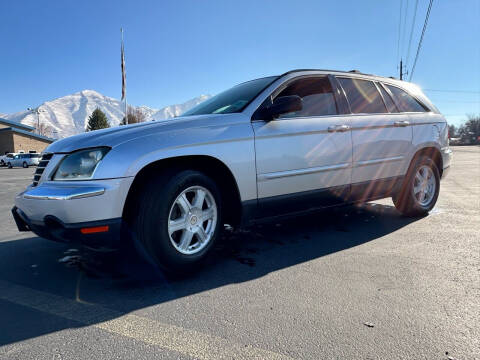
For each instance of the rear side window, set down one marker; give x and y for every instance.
(363, 96)
(406, 102)
(317, 96)
(388, 100)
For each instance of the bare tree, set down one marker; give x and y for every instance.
(470, 131)
(134, 116)
(43, 129)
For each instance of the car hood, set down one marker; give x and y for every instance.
(119, 134)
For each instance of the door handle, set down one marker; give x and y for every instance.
(402, 123)
(338, 128)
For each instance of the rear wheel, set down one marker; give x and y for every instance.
(420, 189)
(25, 165)
(178, 220)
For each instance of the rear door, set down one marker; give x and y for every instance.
(303, 158)
(381, 138)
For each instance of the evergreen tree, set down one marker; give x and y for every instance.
(98, 120)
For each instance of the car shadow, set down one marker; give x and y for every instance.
(241, 256)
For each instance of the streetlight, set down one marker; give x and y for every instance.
(36, 111)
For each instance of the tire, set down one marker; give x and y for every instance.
(2, 163)
(420, 189)
(9, 165)
(161, 205)
(25, 165)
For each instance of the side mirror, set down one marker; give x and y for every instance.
(285, 104)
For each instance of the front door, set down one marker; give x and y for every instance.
(303, 158)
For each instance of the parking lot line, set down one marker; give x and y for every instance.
(185, 341)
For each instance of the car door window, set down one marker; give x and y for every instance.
(405, 101)
(317, 97)
(363, 96)
(388, 100)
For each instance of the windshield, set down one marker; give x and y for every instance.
(232, 100)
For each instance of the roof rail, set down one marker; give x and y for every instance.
(328, 70)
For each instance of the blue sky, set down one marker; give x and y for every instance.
(177, 50)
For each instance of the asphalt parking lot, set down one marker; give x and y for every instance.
(353, 283)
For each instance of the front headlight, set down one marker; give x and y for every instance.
(80, 164)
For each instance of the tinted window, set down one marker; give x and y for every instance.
(35, 155)
(232, 100)
(362, 96)
(317, 97)
(388, 100)
(406, 102)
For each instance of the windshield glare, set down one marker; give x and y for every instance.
(232, 100)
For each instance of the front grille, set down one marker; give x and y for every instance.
(41, 168)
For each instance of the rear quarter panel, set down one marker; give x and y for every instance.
(429, 130)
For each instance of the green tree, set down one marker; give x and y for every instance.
(98, 120)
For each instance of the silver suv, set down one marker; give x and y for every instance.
(23, 160)
(275, 146)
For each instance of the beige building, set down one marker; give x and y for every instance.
(16, 137)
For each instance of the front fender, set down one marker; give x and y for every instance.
(231, 144)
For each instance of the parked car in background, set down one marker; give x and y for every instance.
(4, 158)
(24, 160)
(266, 148)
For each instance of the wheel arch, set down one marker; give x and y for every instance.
(209, 165)
(432, 152)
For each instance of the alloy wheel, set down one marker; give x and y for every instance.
(424, 185)
(192, 220)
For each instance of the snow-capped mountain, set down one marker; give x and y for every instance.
(69, 114)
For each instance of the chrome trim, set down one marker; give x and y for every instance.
(281, 174)
(377, 161)
(62, 192)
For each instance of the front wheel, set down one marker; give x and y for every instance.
(420, 189)
(10, 165)
(178, 220)
(25, 165)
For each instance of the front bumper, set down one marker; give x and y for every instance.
(54, 229)
(60, 210)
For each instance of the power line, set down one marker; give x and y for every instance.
(459, 101)
(421, 38)
(411, 32)
(404, 30)
(454, 91)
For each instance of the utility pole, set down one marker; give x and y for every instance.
(36, 111)
(402, 71)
